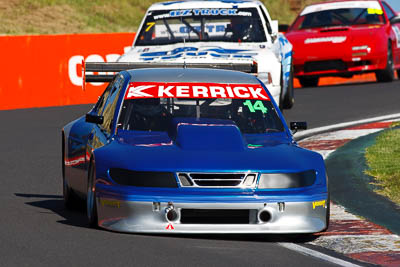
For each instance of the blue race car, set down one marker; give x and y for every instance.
(192, 150)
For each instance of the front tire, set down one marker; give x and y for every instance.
(91, 206)
(71, 201)
(328, 212)
(309, 81)
(387, 74)
(288, 98)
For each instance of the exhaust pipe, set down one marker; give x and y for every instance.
(171, 214)
(264, 216)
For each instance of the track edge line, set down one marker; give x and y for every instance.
(317, 254)
(334, 127)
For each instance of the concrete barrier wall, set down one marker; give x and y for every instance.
(46, 70)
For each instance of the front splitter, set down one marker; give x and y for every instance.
(150, 217)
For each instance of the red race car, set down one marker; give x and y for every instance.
(346, 37)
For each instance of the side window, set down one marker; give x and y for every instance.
(388, 11)
(111, 104)
(99, 107)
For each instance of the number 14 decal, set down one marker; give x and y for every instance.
(258, 105)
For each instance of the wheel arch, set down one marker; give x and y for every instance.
(89, 169)
(63, 153)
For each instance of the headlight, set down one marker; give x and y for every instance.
(361, 47)
(265, 77)
(287, 180)
(143, 179)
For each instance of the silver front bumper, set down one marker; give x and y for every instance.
(150, 217)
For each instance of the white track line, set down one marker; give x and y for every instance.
(343, 134)
(316, 254)
(311, 132)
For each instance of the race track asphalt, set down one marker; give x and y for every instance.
(328, 105)
(36, 230)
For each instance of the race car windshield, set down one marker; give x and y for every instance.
(340, 17)
(206, 25)
(157, 114)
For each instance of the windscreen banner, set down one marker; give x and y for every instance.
(195, 90)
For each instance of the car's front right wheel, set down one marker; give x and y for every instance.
(387, 74)
(287, 100)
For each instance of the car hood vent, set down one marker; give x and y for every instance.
(206, 134)
(335, 30)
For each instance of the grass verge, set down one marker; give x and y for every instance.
(383, 159)
(82, 16)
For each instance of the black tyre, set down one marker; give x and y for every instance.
(328, 212)
(387, 74)
(91, 206)
(309, 81)
(287, 101)
(71, 200)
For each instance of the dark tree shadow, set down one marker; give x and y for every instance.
(349, 83)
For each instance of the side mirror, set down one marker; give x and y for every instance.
(395, 20)
(298, 125)
(93, 118)
(274, 28)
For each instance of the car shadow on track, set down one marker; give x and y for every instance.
(339, 85)
(269, 238)
(348, 83)
(55, 204)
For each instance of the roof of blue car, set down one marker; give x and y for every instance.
(200, 75)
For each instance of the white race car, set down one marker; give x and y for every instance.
(222, 34)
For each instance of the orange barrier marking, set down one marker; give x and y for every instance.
(45, 70)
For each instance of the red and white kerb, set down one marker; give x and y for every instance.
(139, 90)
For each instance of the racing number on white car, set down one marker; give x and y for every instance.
(149, 25)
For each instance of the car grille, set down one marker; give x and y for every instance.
(216, 216)
(324, 65)
(229, 180)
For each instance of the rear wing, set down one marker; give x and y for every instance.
(105, 72)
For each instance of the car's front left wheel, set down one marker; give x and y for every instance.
(287, 100)
(71, 200)
(91, 205)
